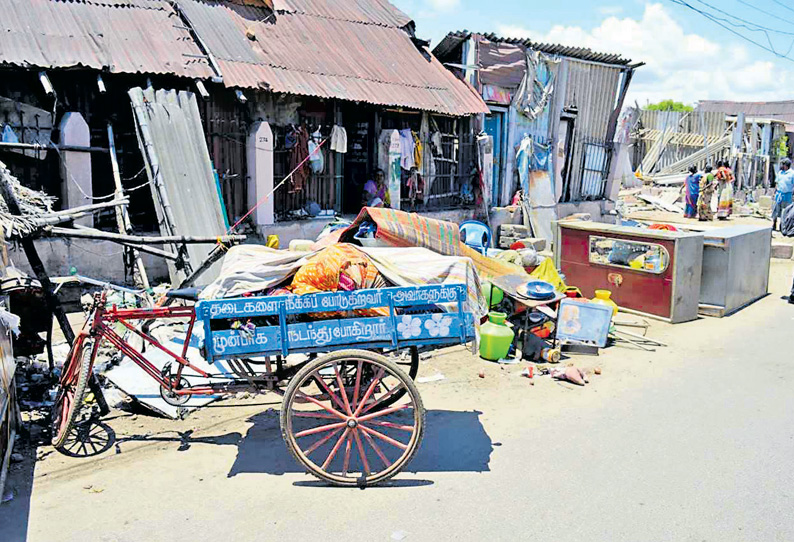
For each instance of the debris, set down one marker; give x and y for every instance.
(17, 458)
(570, 374)
(482, 374)
(597, 370)
(399, 535)
(8, 497)
(435, 378)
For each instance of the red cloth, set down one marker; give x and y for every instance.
(298, 158)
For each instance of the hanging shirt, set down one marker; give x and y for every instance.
(407, 158)
(316, 158)
(339, 139)
(417, 151)
(436, 140)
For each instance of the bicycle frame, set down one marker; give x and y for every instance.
(101, 329)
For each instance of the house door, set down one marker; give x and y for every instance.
(494, 122)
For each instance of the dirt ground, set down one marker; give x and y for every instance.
(229, 456)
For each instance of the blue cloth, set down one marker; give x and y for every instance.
(785, 182)
(692, 192)
(783, 197)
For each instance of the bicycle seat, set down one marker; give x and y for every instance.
(188, 294)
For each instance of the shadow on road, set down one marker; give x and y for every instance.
(454, 442)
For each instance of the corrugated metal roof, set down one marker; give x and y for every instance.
(782, 110)
(121, 36)
(347, 49)
(378, 12)
(454, 39)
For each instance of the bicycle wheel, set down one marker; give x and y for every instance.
(333, 422)
(74, 379)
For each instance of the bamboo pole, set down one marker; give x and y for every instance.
(153, 251)
(88, 233)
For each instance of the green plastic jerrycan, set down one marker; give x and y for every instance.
(495, 337)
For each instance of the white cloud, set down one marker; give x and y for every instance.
(443, 5)
(683, 66)
(610, 10)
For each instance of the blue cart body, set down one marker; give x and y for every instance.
(413, 320)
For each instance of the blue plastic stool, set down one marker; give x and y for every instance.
(476, 235)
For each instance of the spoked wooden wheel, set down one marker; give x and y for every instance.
(334, 423)
(74, 379)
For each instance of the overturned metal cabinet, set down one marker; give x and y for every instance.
(735, 268)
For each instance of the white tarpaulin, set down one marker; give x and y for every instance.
(254, 268)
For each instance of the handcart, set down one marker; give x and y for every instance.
(350, 415)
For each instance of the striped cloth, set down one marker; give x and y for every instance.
(401, 229)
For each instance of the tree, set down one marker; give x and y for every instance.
(669, 105)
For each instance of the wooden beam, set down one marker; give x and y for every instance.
(88, 233)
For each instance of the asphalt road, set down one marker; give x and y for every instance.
(695, 442)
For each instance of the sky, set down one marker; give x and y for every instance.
(688, 57)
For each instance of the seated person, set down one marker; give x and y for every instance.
(376, 193)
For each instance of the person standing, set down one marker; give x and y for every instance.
(705, 195)
(783, 194)
(724, 179)
(692, 187)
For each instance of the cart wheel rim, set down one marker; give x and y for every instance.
(352, 438)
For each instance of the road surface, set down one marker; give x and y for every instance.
(693, 442)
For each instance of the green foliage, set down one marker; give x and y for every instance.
(669, 105)
(781, 146)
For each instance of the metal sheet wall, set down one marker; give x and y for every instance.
(593, 89)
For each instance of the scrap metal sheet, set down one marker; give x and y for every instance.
(184, 165)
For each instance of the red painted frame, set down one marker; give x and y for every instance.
(100, 329)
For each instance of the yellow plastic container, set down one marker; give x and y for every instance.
(604, 297)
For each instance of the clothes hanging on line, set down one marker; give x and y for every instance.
(316, 157)
(435, 139)
(407, 149)
(417, 151)
(297, 158)
(339, 139)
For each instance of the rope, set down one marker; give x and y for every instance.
(270, 194)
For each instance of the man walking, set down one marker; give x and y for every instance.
(785, 187)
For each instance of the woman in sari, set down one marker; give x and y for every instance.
(692, 187)
(705, 195)
(724, 179)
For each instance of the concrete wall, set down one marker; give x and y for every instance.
(101, 260)
(310, 229)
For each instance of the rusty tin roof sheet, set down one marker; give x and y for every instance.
(781, 110)
(121, 36)
(347, 49)
(502, 60)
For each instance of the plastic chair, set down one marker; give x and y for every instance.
(476, 235)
